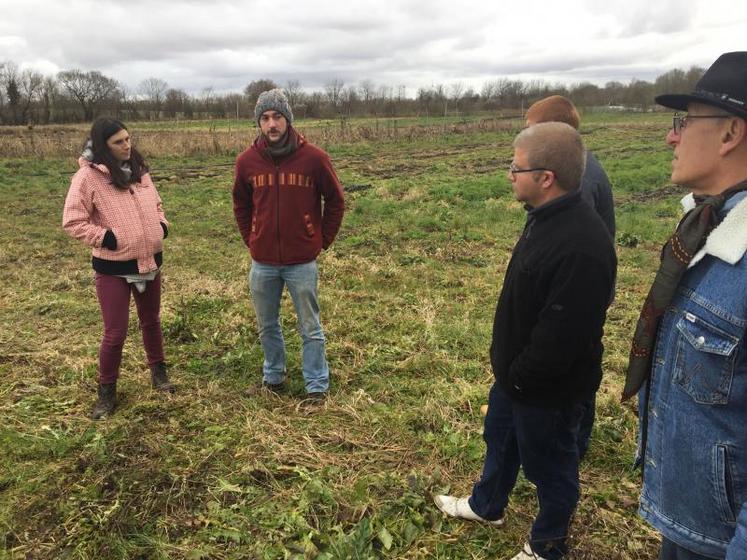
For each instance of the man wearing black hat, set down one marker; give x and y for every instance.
(689, 353)
(288, 205)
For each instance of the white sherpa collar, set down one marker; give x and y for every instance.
(728, 241)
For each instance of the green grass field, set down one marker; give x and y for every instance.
(226, 470)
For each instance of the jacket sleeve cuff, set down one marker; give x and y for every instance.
(98, 241)
(512, 386)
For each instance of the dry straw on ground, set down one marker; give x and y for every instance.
(203, 139)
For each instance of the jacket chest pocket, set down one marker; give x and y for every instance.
(704, 364)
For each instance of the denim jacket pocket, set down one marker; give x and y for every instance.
(725, 485)
(704, 364)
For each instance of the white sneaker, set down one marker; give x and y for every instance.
(459, 507)
(527, 554)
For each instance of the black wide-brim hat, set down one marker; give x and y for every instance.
(723, 85)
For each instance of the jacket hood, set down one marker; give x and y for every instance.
(84, 162)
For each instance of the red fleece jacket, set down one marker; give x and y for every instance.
(278, 205)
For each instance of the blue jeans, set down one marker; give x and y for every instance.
(266, 283)
(543, 442)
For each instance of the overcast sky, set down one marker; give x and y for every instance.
(195, 44)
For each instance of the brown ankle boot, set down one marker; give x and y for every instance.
(107, 400)
(160, 379)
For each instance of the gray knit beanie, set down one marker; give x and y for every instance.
(273, 100)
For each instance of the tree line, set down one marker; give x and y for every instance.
(28, 97)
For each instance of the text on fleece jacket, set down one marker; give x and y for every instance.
(134, 214)
(278, 206)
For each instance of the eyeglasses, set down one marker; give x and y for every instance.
(514, 170)
(680, 121)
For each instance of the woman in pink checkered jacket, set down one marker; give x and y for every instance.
(113, 207)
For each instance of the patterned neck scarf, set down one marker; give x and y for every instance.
(688, 238)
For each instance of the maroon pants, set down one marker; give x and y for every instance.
(114, 298)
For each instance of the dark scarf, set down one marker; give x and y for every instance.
(283, 147)
(688, 238)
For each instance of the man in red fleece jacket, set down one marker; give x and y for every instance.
(288, 204)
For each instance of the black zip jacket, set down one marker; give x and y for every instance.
(547, 332)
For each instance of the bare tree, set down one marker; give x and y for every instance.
(348, 100)
(294, 93)
(401, 92)
(2, 93)
(511, 93)
(89, 89)
(488, 91)
(21, 90)
(692, 76)
(129, 100)
(367, 90)
(674, 81)
(9, 81)
(385, 99)
(639, 93)
(587, 94)
(386, 92)
(333, 92)
(440, 96)
(314, 103)
(424, 98)
(176, 101)
(209, 102)
(613, 93)
(49, 98)
(256, 87)
(31, 85)
(154, 89)
(456, 91)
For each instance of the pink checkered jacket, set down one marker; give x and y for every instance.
(134, 214)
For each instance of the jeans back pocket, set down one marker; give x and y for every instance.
(704, 365)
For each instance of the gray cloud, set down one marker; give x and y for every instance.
(193, 44)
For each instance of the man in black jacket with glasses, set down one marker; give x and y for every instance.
(546, 350)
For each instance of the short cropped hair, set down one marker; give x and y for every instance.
(555, 108)
(557, 147)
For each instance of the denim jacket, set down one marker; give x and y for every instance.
(695, 464)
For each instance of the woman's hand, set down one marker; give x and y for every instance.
(109, 241)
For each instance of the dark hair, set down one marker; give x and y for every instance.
(101, 130)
